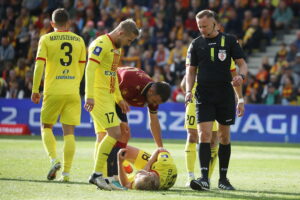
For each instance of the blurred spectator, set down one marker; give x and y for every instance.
(191, 25)
(148, 62)
(7, 51)
(169, 76)
(253, 91)
(133, 58)
(21, 69)
(178, 28)
(157, 74)
(255, 8)
(47, 28)
(3, 87)
(234, 24)
(296, 66)
(89, 32)
(253, 36)
(67, 4)
(288, 73)
(247, 20)
(266, 23)
(291, 54)
(281, 53)
(176, 59)
(271, 96)
(224, 12)
(287, 90)
(297, 41)
(282, 16)
(161, 55)
(178, 94)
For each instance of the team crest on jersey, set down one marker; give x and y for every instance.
(97, 51)
(222, 55)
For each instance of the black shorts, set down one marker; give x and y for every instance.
(215, 103)
(122, 116)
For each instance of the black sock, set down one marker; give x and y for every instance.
(224, 157)
(204, 157)
(112, 162)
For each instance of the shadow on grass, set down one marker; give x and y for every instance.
(186, 192)
(150, 140)
(238, 194)
(42, 181)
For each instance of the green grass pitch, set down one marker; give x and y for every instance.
(258, 171)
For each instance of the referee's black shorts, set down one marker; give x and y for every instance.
(215, 102)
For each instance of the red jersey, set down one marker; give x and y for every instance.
(134, 84)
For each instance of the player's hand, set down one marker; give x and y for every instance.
(35, 98)
(188, 98)
(89, 104)
(124, 106)
(122, 154)
(237, 81)
(240, 109)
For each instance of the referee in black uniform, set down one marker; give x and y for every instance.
(209, 57)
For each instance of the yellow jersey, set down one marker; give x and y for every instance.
(63, 52)
(166, 169)
(103, 60)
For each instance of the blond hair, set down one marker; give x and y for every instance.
(147, 183)
(129, 26)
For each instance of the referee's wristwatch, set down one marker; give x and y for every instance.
(243, 76)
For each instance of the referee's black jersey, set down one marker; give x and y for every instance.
(212, 57)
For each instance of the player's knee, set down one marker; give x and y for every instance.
(224, 138)
(205, 137)
(192, 137)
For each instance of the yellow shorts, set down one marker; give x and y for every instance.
(104, 113)
(190, 117)
(68, 107)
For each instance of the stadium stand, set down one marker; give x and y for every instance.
(266, 28)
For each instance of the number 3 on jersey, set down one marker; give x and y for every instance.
(67, 48)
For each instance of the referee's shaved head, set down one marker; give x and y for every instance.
(60, 17)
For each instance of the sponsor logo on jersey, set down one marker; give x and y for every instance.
(66, 71)
(164, 156)
(109, 73)
(222, 54)
(97, 51)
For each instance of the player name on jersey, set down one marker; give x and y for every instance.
(64, 37)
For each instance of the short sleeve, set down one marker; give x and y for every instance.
(42, 50)
(232, 65)
(97, 51)
(83, 53)
(235, 48)
(191, 58)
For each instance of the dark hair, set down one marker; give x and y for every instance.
(207, 13)
(162, 89)
(60, 16)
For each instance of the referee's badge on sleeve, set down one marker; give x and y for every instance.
(222, 54)
(97, 51)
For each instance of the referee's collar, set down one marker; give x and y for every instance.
(146, 88)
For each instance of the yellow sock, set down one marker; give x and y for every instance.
(213, 160)
(97, 144)
(49, 143)
(69, 151)
(104, 149)
(96, 150)
(190, 156)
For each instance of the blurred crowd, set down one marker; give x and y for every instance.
(168, 26)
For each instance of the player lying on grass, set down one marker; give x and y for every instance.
(156, 171)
